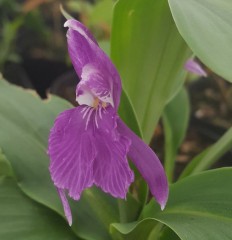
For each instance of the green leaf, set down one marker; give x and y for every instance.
(105, 46)
(5, 167)
(175, 122)
(198, 208)
(209, 156)
(127, 114)
(207, 27)
(149, 57)
(131, 231)
(102, 13)
(148, 229)
(22, 218)
(8, 33)
(93, 214)
(168, 234)
(25, 124)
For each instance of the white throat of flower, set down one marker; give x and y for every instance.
(93, 90)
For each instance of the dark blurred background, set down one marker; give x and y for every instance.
(33, 49)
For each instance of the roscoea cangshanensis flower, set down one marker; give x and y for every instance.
(89, 144)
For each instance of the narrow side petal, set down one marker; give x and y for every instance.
(72, 152)
(194, 67)
(148, 165)
(83, 50)
(67, 210)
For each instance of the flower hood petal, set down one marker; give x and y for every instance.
(85, 55)
(148, 165)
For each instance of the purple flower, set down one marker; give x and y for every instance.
(89, 144)
(194, 67)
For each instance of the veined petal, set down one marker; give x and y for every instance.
(194, 67)
(72, 152)
(85, 148)
(111, 169)
(84, 51)
(148, 165)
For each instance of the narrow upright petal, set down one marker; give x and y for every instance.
(194, 67)
(86, 55)
(67, 210)
(148, 165)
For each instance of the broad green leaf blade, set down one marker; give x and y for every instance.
(25, 124)
(22, 218)
(209, 156)
(198, 207)
(149, 57)
(175, 122)
(207, 27)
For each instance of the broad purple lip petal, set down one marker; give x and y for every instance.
(111, 169)
(148, 165)
(89, 144)
(194, 67)
(85, 149)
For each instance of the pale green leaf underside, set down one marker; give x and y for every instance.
(206, 25)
